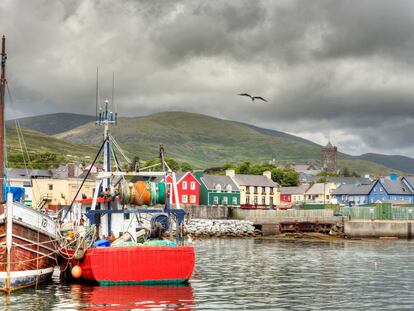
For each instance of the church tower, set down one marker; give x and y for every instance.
(328, 157)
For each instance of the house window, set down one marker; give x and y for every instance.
(184, 185)
(263, 200)
(218, 188)
(228, 188)
(270, 189)
(255, 200)
(225, 201)
(184, 198)
(216, 200)
(234, 200)
(192, 199)
(192, 185)
(50, 187)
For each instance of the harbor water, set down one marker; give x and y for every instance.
(257, 274)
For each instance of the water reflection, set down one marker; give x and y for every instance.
(132, 297)
(253, 274)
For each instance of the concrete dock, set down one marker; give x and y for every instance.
(380, 228)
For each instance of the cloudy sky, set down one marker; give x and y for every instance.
(338, 70)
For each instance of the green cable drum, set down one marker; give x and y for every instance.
(161, 193)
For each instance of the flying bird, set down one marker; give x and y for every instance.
(253, 97)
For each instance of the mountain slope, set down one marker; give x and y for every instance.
(37, 142)
(206, 141)
(53, 123)
(397, 162)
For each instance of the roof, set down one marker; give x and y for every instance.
(21, 173)
(294, 190)
(211, 181)
(254, 180)
(60, 172)
(41, 173)
(350, 180)
(318, 188)
(353, 189)
(18, 173)
(395, 187)
(410, 180)
(307, 178)
(305, 167)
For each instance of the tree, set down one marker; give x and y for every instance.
(345, 172)
(277, 175)
(290, 179)
(174, 165)
(355, 174)
(243, 168)
(186, 167)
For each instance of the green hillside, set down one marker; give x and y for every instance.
(37, 142)
(396, 162)
(205, 141)
(53, 123)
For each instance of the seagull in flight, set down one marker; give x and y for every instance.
(253, 97)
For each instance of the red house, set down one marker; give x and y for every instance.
(188, 188)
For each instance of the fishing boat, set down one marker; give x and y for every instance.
(139, 213)
(27, 251)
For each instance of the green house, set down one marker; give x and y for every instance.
(218, 190)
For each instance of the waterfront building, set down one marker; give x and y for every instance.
(188, 188)
(292, 195)
(328, 157)
(382, 190)
(388, 189)
(218, 190)
(19, 177)
(319, 193)
(353, 194)
(58, 188)
(257, 191)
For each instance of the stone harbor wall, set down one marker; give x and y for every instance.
(219, 228)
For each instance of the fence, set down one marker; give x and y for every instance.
(380, 211)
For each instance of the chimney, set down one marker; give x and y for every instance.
(230, 173)
(71, 170)
(267, 174)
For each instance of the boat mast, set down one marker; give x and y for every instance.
(2, 92)
(106, 118)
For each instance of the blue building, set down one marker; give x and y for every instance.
(354, 194)
(381, 190)
(394, 190)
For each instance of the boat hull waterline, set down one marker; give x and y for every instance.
(31, 257)
(136, 265)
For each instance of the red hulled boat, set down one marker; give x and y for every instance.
(118, 208)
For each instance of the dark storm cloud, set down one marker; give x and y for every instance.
(339, 70)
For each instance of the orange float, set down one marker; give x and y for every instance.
(76, 272)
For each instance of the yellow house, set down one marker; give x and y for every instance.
(256, 190)
(320, 192)
(55, 192)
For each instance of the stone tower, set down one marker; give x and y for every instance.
(328, 157)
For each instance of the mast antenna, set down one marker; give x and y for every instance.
(113, 99)
(2, 92)
(97, 94)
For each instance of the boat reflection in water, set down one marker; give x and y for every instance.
(133, 297)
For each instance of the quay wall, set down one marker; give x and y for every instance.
(207, 212)
(269, 220)
(380, 228)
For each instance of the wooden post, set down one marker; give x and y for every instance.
(9, 241)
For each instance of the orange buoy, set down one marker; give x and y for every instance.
(76, 272)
